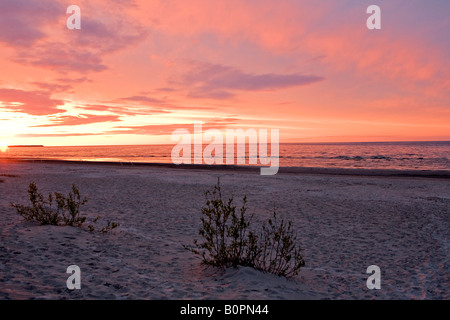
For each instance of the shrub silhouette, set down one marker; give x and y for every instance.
(278, 253)
(229, 241)
(109, 226)
(42, 210)
(66, 210)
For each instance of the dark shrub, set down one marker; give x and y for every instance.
(42, 210)
(229, 241)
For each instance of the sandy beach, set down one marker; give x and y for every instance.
(344, 223)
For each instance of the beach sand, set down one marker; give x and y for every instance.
(344, 223)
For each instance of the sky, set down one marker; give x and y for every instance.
(138, 70)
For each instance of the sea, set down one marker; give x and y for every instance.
(429, 155)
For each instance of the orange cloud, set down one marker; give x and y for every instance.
(32, 102)
(78, 120)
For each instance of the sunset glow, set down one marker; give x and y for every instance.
(3, 147)
(138, 70)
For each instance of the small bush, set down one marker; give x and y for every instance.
(72, 204)
(229, 241)
(278, 252)
(65, 212)
(57, 209)
(42, 210)
(109, 226)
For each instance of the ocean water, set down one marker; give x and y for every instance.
(370, 155)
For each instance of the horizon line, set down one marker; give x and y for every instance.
(167, 144)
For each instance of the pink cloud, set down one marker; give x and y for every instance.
(167, 129)
(41, 24)
(124, 110)
(53, 87)
(37, 103)
(67, 120)
(401, 52)
(73, 81)
(220, 82)
(22, 21)
(144, 99)
(55, 135)
(272, 24)
(145, 104)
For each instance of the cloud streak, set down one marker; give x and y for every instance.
(167, 129)
(82, 119)
(217, 81)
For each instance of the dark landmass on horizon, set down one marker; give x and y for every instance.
(27, 146)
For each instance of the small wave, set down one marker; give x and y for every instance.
(355, 158)
(342, 158)
(380, 157)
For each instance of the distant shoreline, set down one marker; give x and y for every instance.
(443, 174)
(27, 146)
